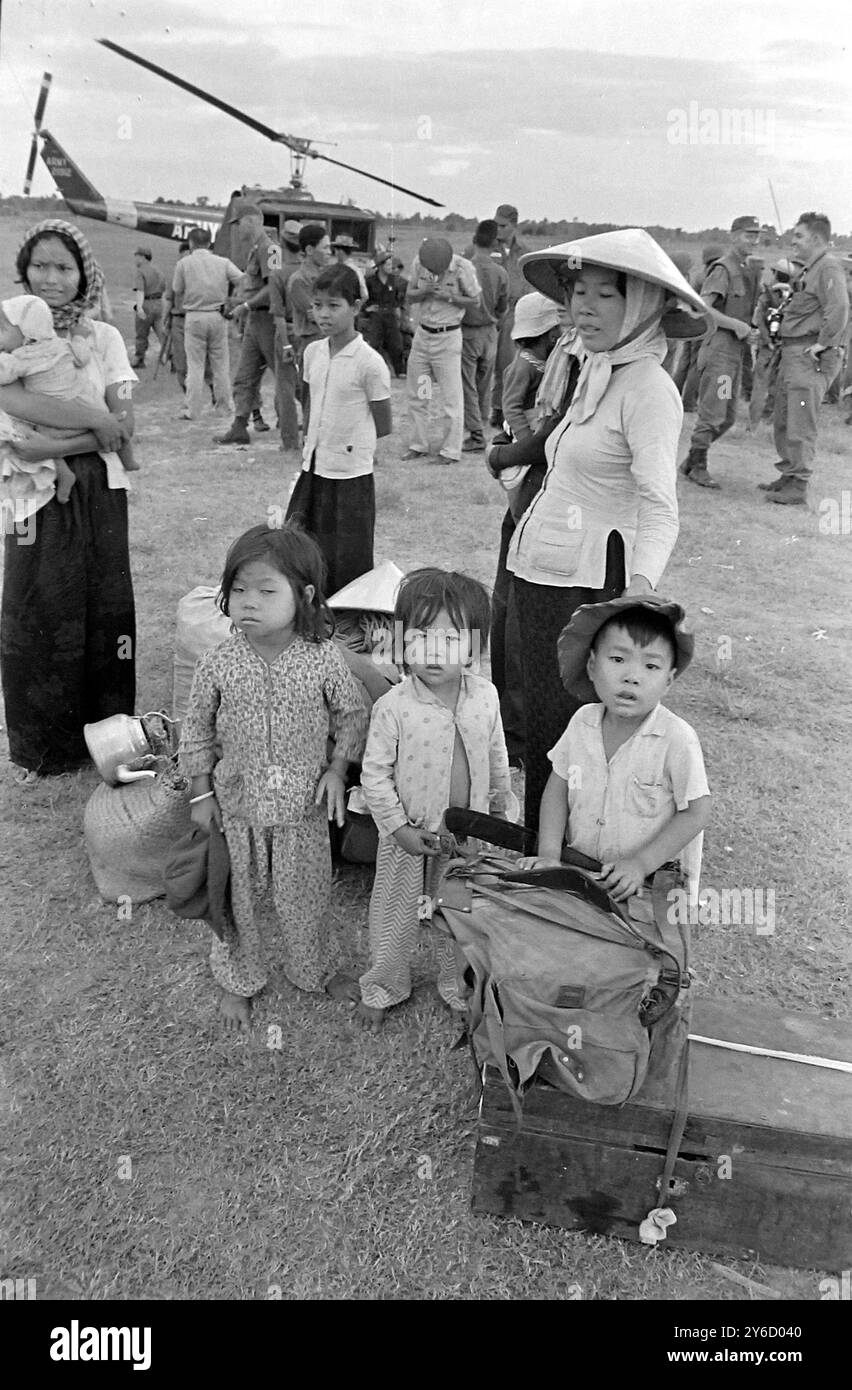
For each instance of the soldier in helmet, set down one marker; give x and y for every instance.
(731, 287)
(771, 304)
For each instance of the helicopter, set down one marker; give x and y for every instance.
(174, 221)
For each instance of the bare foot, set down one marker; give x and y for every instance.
(65, 480)
(235, 1010)
(373, 1019)
(343, 987)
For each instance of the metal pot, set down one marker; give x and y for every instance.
(119, 740)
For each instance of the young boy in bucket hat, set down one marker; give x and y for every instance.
(628, 785)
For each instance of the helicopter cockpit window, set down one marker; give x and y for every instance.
(359, 231)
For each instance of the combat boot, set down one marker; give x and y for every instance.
(791, 493)
(258, 423)
(694, 468)
(237, 434)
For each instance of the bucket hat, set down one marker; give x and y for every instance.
(534, 315)
(631, 251)
(575, 640)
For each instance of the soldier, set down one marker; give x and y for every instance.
(768, 315)
(286, 375)
(480, 335)
(149, 287)
(383, 310)
(730, 287)
(812, 334)
(173, 322)
(258, 350)
(510, 250)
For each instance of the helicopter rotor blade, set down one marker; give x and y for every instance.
(198, 92)
(37, 120)
(389, 183)
(299, 146)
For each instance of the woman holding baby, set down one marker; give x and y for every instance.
(68, 627)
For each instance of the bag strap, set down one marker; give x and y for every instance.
(679, 1117)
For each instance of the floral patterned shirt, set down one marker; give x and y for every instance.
(273, 721)
(409, 757)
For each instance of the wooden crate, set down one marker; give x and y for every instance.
(782, 1130)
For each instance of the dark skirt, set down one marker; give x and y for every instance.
(68, 627)
(543, 611)
(340, 514)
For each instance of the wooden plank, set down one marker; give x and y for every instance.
(796, 1219)
(728, 1089)
(761, 1090)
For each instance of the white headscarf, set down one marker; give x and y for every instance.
(644, 302)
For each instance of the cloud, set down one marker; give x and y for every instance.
(559, 131)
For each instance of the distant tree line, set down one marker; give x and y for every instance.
(455, 222)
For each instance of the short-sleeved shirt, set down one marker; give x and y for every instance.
(201, 279)
(459, 277)
(278, 281)
(341, 428)
(149, 281)
(494, 284)
(300, 295)
(262, 259)
(615, 808)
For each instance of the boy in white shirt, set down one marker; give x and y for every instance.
(347, 408)
(628, 785)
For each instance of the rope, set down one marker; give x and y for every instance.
(769, 1052)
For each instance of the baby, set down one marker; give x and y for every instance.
(32, 353)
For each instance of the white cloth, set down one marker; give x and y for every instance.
(341, 428)
(31, 315)
(108, 365)
(618, 806)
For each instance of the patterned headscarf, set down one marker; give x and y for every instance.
(92, 284)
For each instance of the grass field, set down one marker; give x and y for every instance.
(301, 1170)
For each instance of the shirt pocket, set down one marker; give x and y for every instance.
(646, 798)
(556, 549)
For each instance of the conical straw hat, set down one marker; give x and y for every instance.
(632, 251)
(375, 591)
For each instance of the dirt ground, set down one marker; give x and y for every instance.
(301, 1167)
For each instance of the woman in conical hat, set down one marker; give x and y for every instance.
(605, 521)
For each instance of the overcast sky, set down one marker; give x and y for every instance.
(629, 111)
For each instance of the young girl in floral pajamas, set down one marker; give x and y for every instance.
(435, 741)
(270, 695)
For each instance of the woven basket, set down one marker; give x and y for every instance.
(130, 832)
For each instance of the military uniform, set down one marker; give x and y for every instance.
(770, 306)
(508, 257)
(731, 286)
(151, 284)
(382, 315)
(818, 312)
(258, 349)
